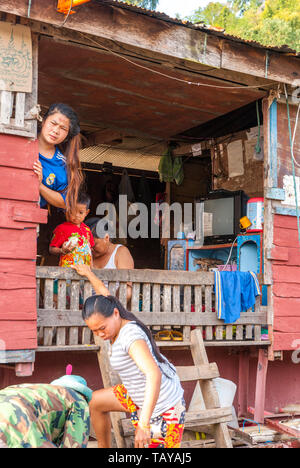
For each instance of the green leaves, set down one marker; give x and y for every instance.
(273, 23)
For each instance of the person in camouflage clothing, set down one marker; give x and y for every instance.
(52, 415)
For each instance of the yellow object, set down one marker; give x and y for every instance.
(63, 6)
(245, 223)
(168, 335)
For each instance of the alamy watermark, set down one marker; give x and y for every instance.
(137, 220)
(296, 93)
(296, 353)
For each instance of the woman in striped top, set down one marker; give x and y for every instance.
(150, 389)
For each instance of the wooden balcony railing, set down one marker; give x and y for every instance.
(161, 299)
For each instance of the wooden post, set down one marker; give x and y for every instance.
(110, 378)
(243, 386)
(24, 369)
(209, 392)
(260, 392)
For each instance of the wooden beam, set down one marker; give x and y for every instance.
(135, 276)
(243, 386)
(18, 356)
(166, 38)
(282, 428)
(191, 68)
(106, 136)
(93, 167)
(260, 391)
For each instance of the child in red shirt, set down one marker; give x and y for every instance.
(73, 240)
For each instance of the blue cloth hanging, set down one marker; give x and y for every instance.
(236, 292)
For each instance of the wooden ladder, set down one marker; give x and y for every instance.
(210, 419)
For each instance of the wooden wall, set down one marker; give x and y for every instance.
(286, 283)
(19, 217)
(285, 254)
(249, 177)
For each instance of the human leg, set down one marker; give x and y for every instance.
(103, 402)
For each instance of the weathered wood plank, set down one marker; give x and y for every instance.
(199, 419)
(20, 110)
(23, 334)
(74, 305)
(55, 317)
(5, 106)
(135, 299)
(177, 41)
(13, 356)
(68, 348)
(48, 332)
(190, 373)
(135, 276)
(17, 304)
(18, 184)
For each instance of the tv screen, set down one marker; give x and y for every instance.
(219, 217)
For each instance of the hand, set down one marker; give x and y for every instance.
(38, 169)
(142, 437)
(65, 248)
(82, 270)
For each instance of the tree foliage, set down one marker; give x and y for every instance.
(269, 22)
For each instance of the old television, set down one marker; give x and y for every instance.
(219, 214)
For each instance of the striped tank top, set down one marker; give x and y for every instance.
(132, 377)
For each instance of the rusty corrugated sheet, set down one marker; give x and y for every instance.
(133, 153)
(201, 27)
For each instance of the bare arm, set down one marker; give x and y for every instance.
(52, 197)
(98, 285)
(143, 358)
(63, 250)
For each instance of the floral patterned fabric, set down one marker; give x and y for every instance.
(82, 253)
(166, 429)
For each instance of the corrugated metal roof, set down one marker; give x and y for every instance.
(132, 153)
(201, 27)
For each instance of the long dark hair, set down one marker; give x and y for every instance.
(105, 306)
(70, 147)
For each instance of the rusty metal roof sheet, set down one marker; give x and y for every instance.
(132, 153)
(201, 27)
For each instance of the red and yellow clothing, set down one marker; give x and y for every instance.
(82, 253)
(166, 429)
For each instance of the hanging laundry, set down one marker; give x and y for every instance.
(125, 187)
(165, 167)
(236, 292)
(178, 173)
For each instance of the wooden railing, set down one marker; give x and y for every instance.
(161, 299)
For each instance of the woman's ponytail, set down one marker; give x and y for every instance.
(75, 175)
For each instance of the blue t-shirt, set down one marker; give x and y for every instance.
(55, 175)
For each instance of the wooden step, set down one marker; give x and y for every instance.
(203, 372)
(192, 420)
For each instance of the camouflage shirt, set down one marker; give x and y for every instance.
(43, 416)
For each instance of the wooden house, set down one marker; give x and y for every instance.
(142, 76)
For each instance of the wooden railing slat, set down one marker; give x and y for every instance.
(161, 299)
(134, 276)
(56, 317)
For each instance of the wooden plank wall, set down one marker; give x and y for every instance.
(286, 252)
(286, 282)
(19, 217)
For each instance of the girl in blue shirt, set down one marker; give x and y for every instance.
(59, 173)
